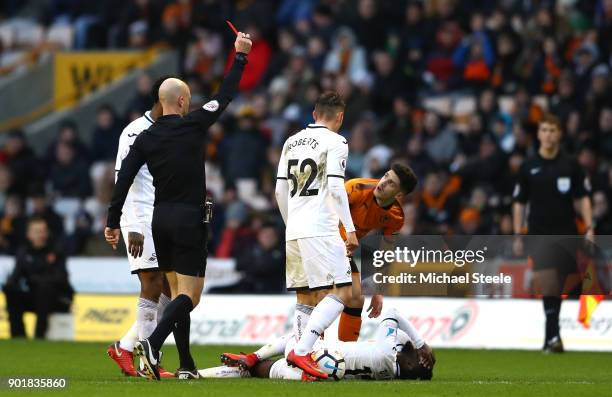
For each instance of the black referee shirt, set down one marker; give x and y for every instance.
(550, 187)
(174, 150)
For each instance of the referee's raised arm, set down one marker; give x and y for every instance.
(210, 112)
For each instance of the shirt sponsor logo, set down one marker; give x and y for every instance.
(564, 184)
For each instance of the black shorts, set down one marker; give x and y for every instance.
(180, 239)
(549, 252)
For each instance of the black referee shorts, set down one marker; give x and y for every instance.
(548, 252)
(180, 239)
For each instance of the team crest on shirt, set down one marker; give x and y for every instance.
(211, 106)
(564, 184)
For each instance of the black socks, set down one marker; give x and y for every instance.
(552, 308)
(177, 311)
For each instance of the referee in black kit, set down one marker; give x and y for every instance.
(552, 183)
(173, 149)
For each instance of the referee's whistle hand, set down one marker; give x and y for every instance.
(135, 244)
(243, 43)
(112, 237)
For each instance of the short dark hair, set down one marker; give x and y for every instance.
(407, 177)
(550, 119)
(409, 366)
(156, 85)
(37, 219)
(329, 104)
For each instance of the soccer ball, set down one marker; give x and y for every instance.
(331, 362)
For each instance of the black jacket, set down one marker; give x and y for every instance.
(174, 150)
(35, 267)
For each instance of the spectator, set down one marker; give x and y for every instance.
(356, 104)
(203, 56)
(317, 50)
(440, 140)
(286, 42)
(388, 84)
(39, 282)
(105, 140)
(42, 209)
(418, 159)
(440, 60)
(395, 128)
(602, 216)
(600, 94)
(439, 202)
(68, 133)
(176, 29)
(142, 101)
(369, 20)
(323, 23)
(22, 162)
(262, 265)
(12, 225)
(139, 23)
(604, 133)
(291, 12)
(346, 56)
(475, 55)
(69, 176)
(469, 222)
(238, 162)
(358, 143)
(5, 184)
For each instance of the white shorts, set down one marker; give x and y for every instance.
(317, 263)
(148, 260)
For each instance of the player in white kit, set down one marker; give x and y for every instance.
(312, 200)
(136, 230)
(397, 352)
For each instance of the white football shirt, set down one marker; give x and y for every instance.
(375, 359)
(308, 159)
(138, 208)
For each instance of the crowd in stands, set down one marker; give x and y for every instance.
(453, 88)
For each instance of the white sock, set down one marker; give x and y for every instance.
(322, 316)
(274, 348)
(128, 340)
(300, 319)
(281, 370)
(146, 317)
(164, 300)
(224, 372)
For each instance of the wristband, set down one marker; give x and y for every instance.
(241, 57)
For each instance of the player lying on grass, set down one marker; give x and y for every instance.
(397, 352)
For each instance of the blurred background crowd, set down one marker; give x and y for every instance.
(452, 88)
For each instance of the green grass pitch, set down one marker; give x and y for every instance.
(458, 373)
